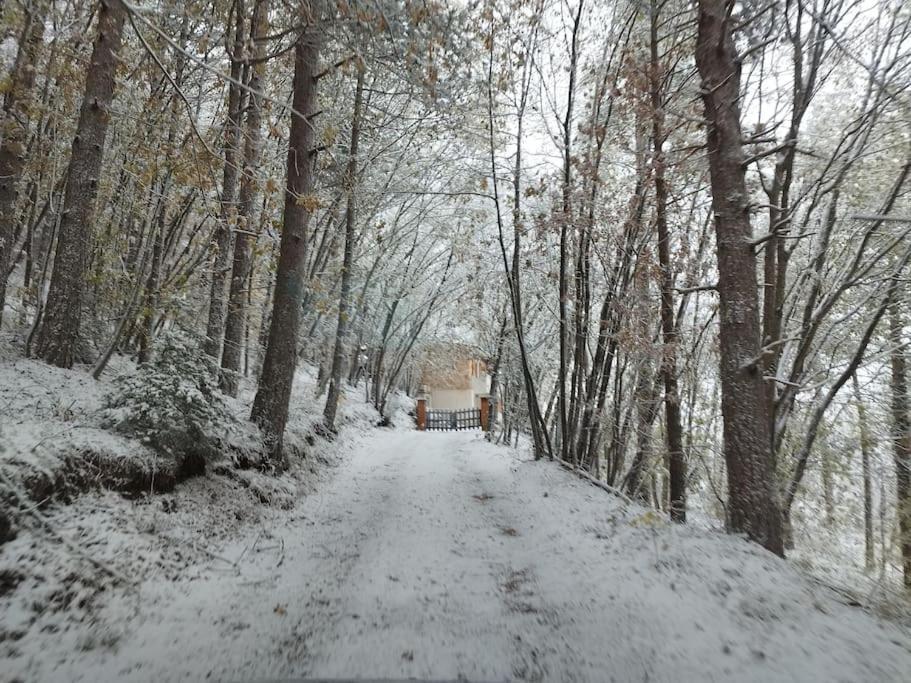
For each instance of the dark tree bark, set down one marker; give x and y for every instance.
(673, 423)
(566, 433)
(153, 281)
(270, 407)
(341, 330)
(646, 406)
(495, 376)
(232, 351)
(865, 450)
(380, 359)
(15, 131)
(218, 302)
(752, 496)
(901, 435)
(60, 327)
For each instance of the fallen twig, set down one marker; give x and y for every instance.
(72, 547)
(597, 482)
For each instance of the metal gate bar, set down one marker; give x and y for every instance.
(454, 420)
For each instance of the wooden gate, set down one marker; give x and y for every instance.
(454, 420)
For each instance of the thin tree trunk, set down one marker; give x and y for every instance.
(218, 302)
(152, 293)
(901, 435)
(381, 355)
(154, 283)
(865, 452)
(28, 270)
(59, 332)
(247, 321)
(15, 131)
(338, 351)
(265, 319)
(128, 315)
(232, 351)
(646, 409)
(495, 377)
(752, 495)
(565, 433)
(270, 407)
(399, 361)
(540, 439)
(673, 423)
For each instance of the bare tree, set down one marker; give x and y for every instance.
(341, 330)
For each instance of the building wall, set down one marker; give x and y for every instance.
(480, 386)
(453, 379)
(452, 399)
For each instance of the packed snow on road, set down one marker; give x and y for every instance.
(441, 556)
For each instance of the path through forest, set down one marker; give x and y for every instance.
(437, 555)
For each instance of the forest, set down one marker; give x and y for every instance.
(678, 233)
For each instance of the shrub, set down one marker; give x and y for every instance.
(173, 404)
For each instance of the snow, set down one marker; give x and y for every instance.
(53, 426)
(49, 418)
(438, 555)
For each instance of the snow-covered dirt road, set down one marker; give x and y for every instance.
(436, 555)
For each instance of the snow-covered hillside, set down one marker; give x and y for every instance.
(441, 556)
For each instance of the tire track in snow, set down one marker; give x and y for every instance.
(409, 600)
(542, 648)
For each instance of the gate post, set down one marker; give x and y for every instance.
(485, 413)
(422, 413)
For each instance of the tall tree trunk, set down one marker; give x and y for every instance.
(127, 317)
(752, 495)
(380, 360)
(673, 423)
(153, 281)
(565, 431)
(232, 352)
(776, 256)
(341, 330)
(15, 131)
(270, 407)
(901, 435)
(495, 373)
(538, 422)
(60, 327)
(29, 248)
(154, 285)
(248, 323)
(264, 317)
(865, 452)
(646, 408)
(218, 303)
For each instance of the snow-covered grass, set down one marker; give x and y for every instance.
(441, 556)
(57, 439)
(51, 441)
